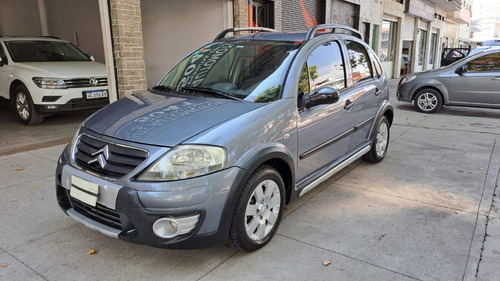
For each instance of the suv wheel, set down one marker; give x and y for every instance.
(25, 108)
(428, 100)
(259, 210)
(380, 143)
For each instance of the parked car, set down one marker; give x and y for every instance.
(494, 42)
(478, 49)
(451, 55)
(42, 76)
(473, 81)
(236, 130)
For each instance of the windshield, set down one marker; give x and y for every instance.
(42, 51)
(249, 70)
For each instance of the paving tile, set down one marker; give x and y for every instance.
(415, 239)
(30, 211)
(24, 167)
(64, 255)
(446, 168)
(12, 269)
(288, 259)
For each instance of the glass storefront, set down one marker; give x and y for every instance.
(433, 46)
(422, 39)
(387, 41)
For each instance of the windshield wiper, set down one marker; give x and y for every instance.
(163, 88)
(210, 91)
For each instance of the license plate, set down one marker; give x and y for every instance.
(85, 191)
(96, 94)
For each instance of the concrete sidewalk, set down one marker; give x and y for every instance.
(426, 212)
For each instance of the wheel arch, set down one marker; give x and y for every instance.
(274, 155)
(439, 87)
(13, 85)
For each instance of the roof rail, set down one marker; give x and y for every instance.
(312, 31)
(238, 29)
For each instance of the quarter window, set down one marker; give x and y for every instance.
(488, 63)
(360, 62)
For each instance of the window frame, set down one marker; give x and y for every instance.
(342, 58)
(483, 58)
(369, 63)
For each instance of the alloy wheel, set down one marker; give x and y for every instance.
(262, 210)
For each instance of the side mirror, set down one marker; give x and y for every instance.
(3, 60)
(460, 70)
(91, 57)
(324, 95)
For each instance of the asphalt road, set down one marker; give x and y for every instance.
(427, 212)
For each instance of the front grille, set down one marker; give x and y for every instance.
(107, 159)
(98, 213)
(85, 82)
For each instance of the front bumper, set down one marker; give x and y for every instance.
(130, 216)
(72, 105)
(404, 92)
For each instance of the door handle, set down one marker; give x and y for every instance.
(496, 78)
(377, 92)
(348, 104)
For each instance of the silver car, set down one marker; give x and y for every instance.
(236, 130)
(472, 81)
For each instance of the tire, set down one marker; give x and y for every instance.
(380, 142)
(23, 104)
(428, 100)
(259, 210)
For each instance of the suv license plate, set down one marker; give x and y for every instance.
(96, 94)
(85, 191)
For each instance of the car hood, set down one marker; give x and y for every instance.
(164, 120)
(66, 69)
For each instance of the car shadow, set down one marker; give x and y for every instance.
(456, 111)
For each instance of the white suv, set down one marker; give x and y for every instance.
(41, 76)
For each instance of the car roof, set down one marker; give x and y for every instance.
(31, 38)
(271, 36)
(274, 35)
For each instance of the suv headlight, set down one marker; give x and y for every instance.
(407, 79)
(186, 161)
(72, 143)
(50, 83)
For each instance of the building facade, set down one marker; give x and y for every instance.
(140, 40)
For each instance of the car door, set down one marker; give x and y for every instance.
(365, 91)
(479, 83)
(323, 130)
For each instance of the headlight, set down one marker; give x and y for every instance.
(50, 83)
(186, 161)
(407, 79)
(72, 143)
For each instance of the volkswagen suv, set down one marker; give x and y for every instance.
(235, 131)
(41, 76)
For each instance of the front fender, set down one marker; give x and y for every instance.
(430, 83)
(270, 153)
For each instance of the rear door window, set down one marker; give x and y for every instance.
(488, 63)
(326, 67)
(359, 61)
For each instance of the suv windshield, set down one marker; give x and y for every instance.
(249, 70)
(41, 51)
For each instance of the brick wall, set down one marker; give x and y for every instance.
(240, 13)
(128, 43)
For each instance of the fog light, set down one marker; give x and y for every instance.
(172, 227)
(51, 106)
